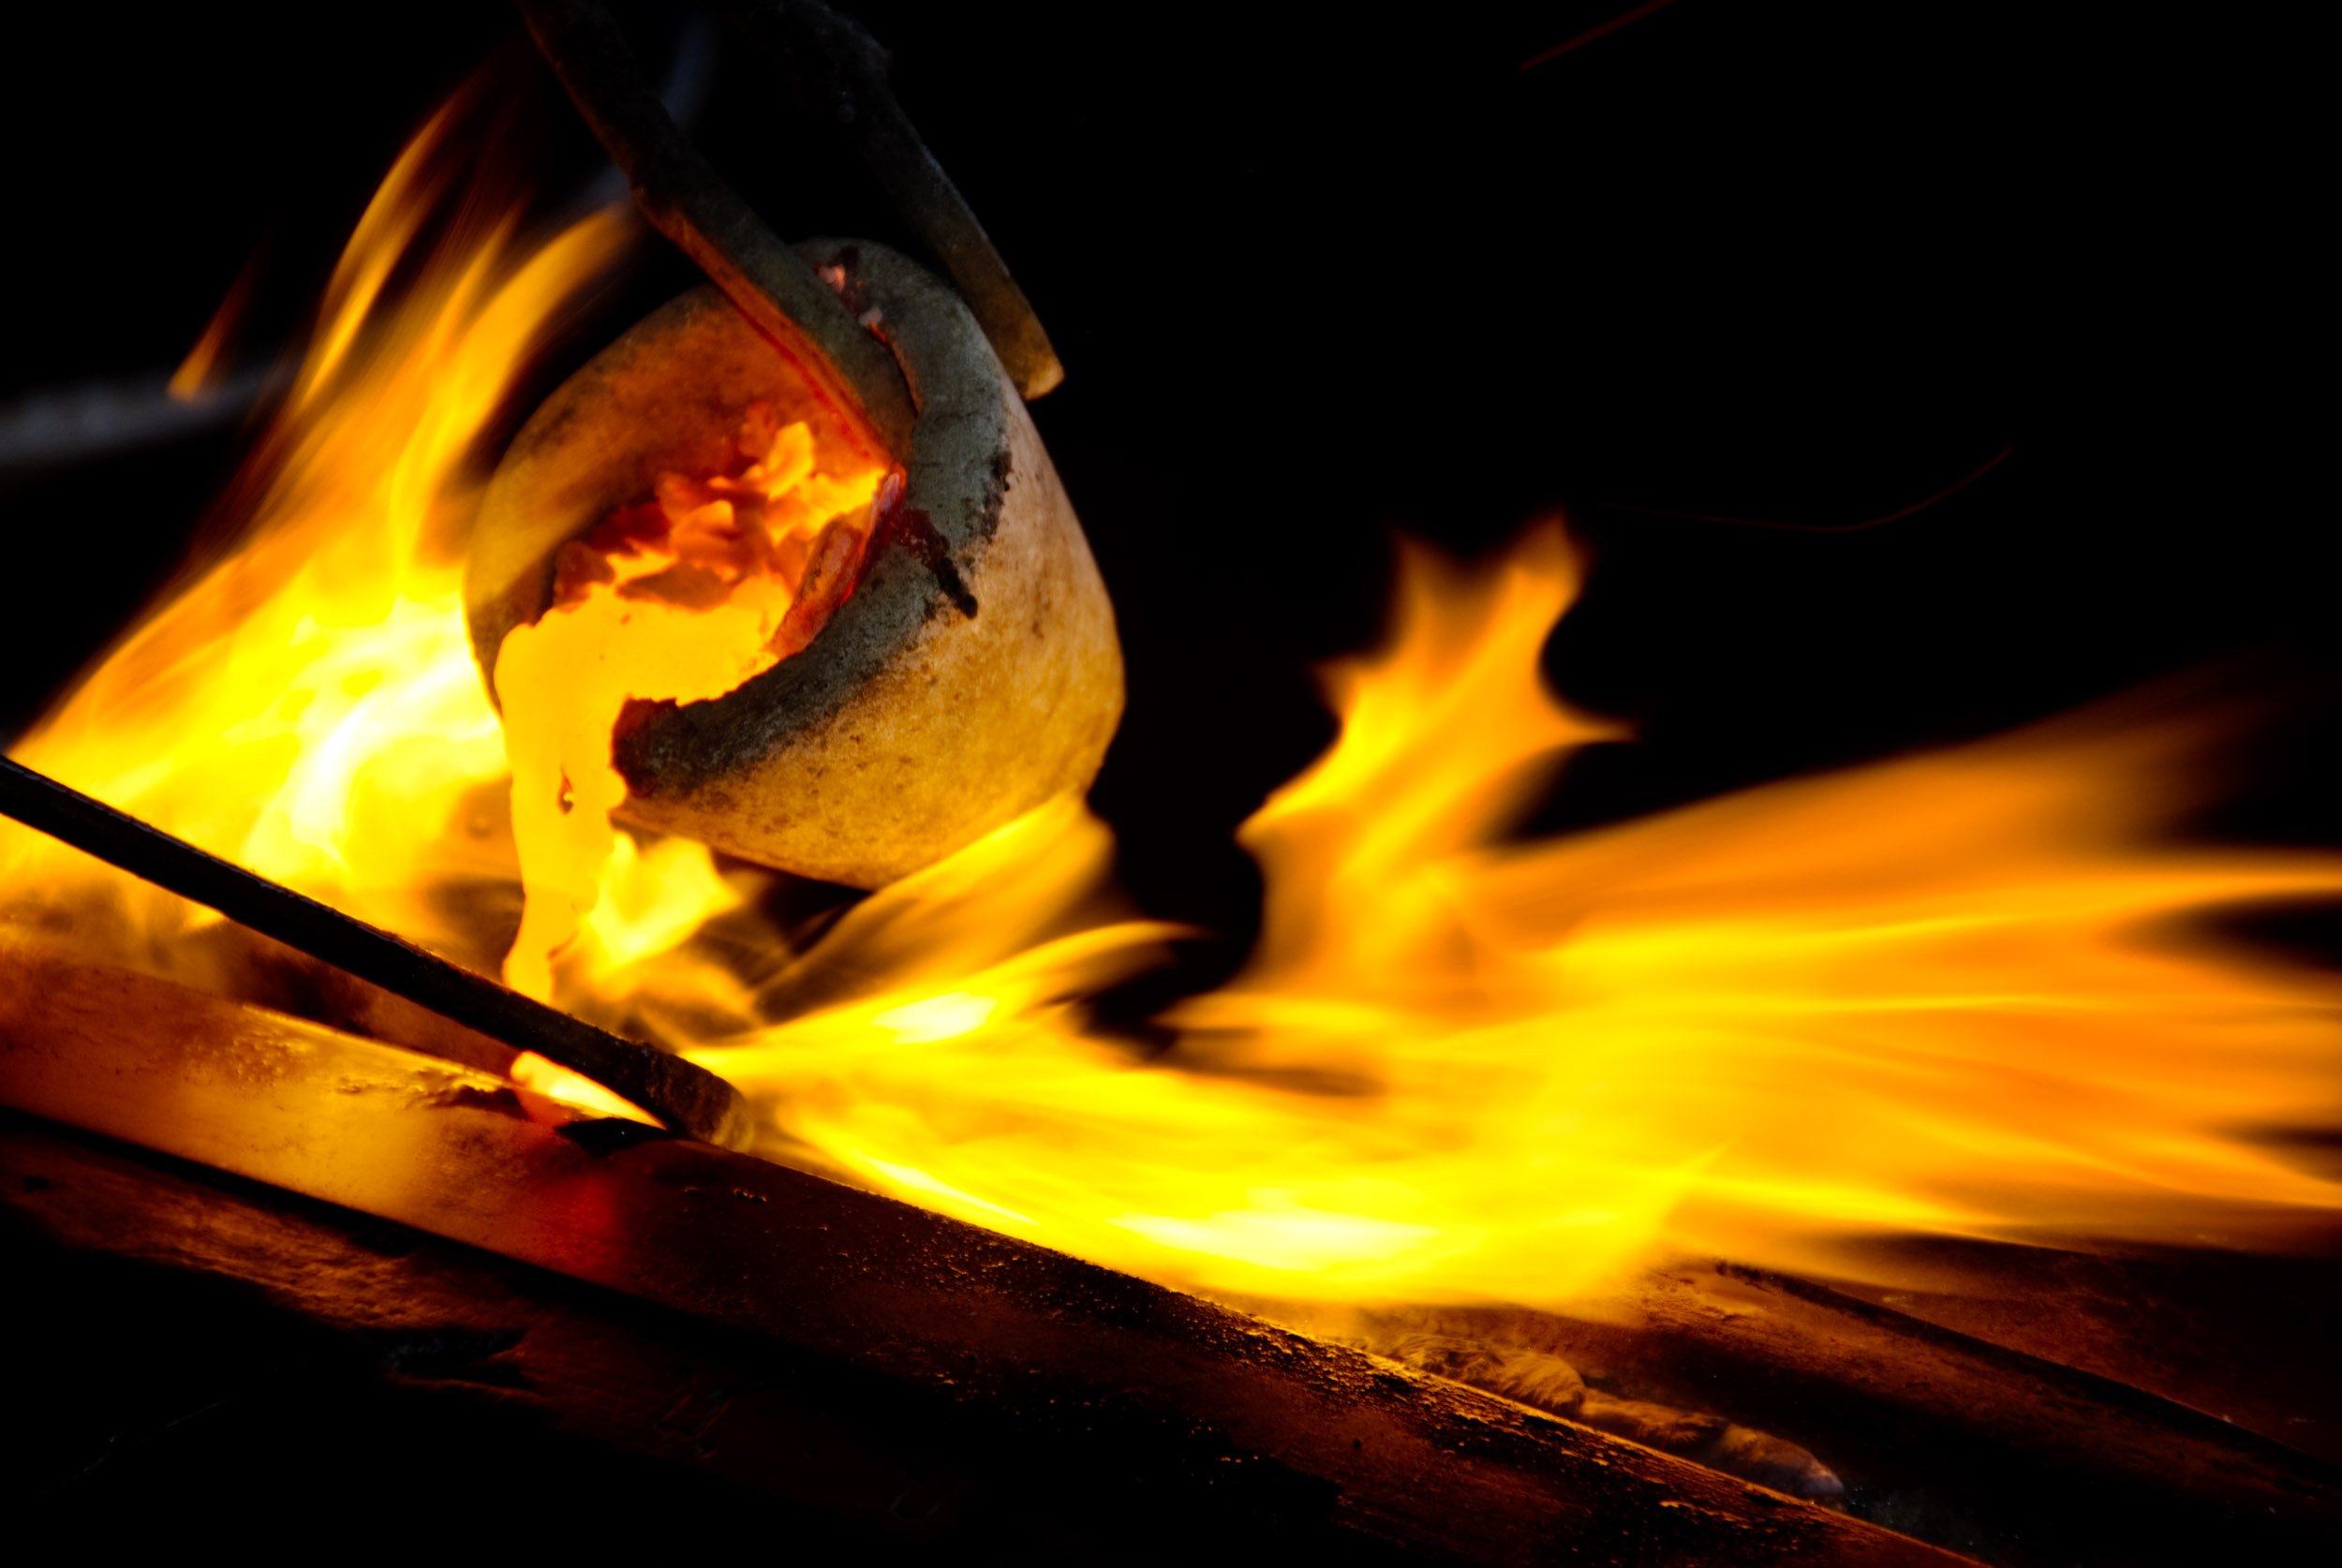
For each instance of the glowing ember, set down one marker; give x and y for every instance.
(1950, 995)
(713, 581)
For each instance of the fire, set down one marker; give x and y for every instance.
(1946, 995)
(306, 706)
(556, 1082)
(1961, 994)
(680, 599)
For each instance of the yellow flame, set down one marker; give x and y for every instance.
(307, 705)
(555, 1082)
(1946, 995)
(1952, 994)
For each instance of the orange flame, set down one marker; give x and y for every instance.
(307, 706)
(201, 369)
(1954, 994)
(1939, 996)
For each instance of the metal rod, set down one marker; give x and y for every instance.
(841, 72)
(689, 1099)
(682, 195)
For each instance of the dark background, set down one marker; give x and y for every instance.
(1322, 275)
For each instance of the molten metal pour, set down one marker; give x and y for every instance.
(775, 546)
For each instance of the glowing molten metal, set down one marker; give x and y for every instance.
(680, 599)
(1955, 993)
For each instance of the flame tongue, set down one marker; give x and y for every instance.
(679, 599)
(1947, 995)
(303, 707)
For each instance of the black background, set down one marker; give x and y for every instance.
(1319, 274)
